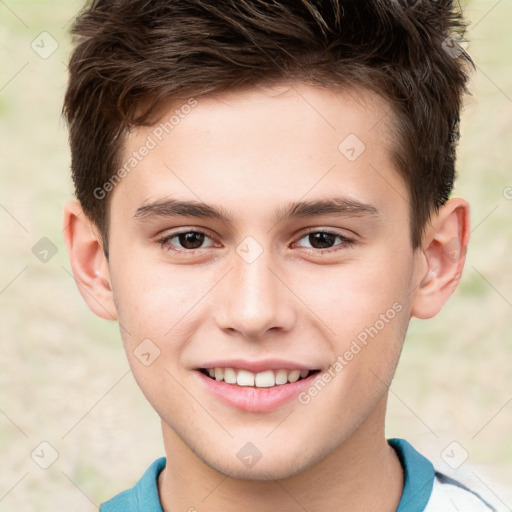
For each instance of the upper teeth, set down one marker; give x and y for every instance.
(265, 379)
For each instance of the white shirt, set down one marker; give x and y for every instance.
(449, 495)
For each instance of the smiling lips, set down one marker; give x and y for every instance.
(256, 386)
(263, 379)
(256, 392)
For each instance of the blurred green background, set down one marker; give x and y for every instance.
(64, 379)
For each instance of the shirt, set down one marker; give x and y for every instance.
(425, 490)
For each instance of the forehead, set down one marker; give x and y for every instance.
(281, 142)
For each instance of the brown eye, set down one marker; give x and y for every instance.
(191, 239)
(321, 240)
(325, 241)
(185, 241)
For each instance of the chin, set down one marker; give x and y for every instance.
(263, 473)
(267, 468)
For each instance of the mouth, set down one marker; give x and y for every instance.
(260, 391)
(265, 379)
(256, 386)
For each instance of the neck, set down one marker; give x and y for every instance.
(364, 473)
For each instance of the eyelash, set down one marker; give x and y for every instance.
(346, 242)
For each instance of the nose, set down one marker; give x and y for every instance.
(254, 298)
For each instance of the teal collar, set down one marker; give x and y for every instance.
(142, 497)
(418, 477)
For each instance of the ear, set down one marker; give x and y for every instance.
(443, 251)
(88, 262)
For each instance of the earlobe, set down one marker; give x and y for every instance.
(88, 262)
(444, 250)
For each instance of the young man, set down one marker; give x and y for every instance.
(263, 204)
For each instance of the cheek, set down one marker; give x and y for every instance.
(380, 319)
(153, 302)
(354, 297)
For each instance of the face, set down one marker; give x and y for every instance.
(264, 239)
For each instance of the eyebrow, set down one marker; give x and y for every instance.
(340, 206)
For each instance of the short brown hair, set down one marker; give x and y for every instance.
(131, 56)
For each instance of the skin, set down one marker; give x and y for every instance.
(252, 152)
